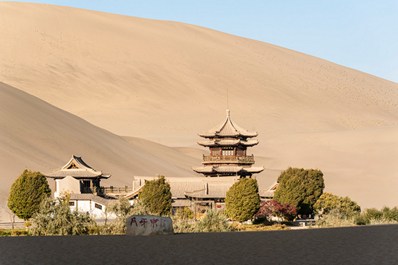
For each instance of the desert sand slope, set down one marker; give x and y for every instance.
(38, 136)
(167, 81)
(117, 71)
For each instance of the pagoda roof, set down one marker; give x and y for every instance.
(77, 168)
(228, 142)
(227, 169)
(196, 187)
(211, 191)
(228, 129)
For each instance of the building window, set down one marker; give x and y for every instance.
(98, 206)
(227, 152)
(85, 186)
(71, 203)
(215, 151)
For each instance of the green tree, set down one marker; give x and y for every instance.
(155, 196)
(242, 200)
(300, 188)
(56, 218)
(344, 206)
(26, 194)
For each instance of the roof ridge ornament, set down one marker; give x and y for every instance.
(228, 113)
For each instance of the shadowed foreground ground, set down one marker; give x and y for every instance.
(358, 245)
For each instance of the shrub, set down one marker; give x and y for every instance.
(343, 206)
(56, 218)
(155, 197)
(122, 209)
(334, 218)
(213, 221)
(272, 208)
(183, 220)
(373, 216)
(242, 200)
(300, 188)
(184, 213)
(27, 193)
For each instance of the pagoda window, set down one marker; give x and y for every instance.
(215, 151)
(228, 152)
(240, 152)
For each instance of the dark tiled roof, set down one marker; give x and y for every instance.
(76, 168)
(228, 129)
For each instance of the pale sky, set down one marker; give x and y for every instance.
(361, 34)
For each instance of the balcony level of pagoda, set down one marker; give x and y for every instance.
(228, 145)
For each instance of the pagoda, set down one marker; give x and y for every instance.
(228, 145)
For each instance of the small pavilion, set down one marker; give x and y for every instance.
(77, 177)
(82, 184)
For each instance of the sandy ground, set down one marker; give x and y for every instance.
(358, 245)
(167, 81)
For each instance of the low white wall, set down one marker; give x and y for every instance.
(92, 208)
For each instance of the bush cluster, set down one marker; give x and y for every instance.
(272, 208)
(211, 221)
(56, 218)
(373, 216)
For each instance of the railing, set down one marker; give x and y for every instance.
(229, 159)
(116, 190)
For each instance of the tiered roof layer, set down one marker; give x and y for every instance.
(77, 168)
(228, 129)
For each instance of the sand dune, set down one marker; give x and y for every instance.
(166, 81)
(38, 136)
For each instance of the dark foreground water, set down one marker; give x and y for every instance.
(358, 245)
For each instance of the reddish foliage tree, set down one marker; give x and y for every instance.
(271, 208)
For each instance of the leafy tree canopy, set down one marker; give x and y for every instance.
(156, 196)
(343, 205)
(300, 188)
(272, 208)
(27, 192)
(242, 200)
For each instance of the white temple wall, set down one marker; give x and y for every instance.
(66, 185)
(94, 209)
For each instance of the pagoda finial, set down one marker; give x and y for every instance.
(228, 113)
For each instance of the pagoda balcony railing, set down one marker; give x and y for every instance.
(208, 159)
(116, 190)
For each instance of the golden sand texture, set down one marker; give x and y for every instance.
(166, 81)
(38, 136)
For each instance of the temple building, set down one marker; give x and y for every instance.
(197, 193)
(227, 162)
(82, 184)
(228, 156)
